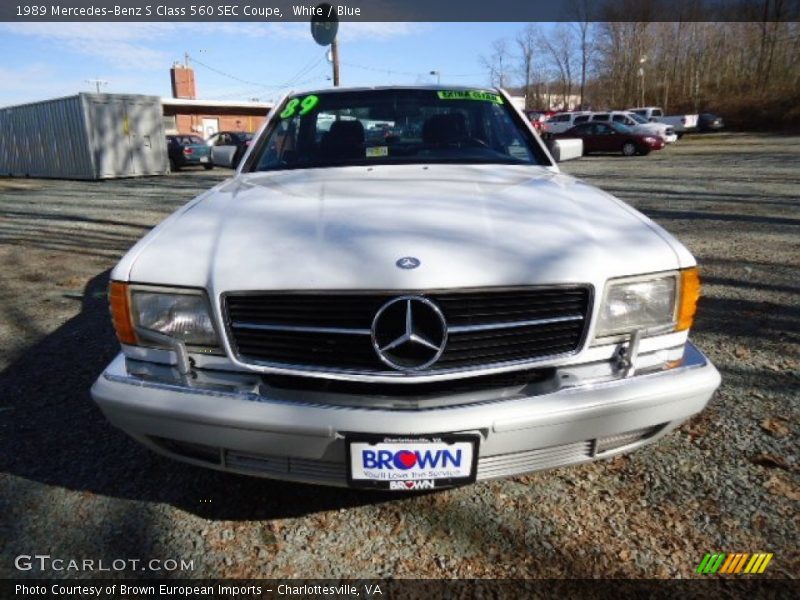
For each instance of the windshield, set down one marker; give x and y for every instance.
(395, 126)
(638, 118)
(621, 128)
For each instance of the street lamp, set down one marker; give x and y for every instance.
(438, 76)
(641, 74)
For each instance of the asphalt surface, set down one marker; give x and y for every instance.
(74, 487)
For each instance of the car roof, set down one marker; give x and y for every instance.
(437, 87)
(611, 112)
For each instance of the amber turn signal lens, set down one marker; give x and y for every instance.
(690, 294)
(121, 313)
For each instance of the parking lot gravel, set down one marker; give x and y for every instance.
(728, 480)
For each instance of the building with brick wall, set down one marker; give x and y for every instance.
(185, 113)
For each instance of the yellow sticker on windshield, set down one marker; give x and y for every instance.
(469, 95)
(376, 151)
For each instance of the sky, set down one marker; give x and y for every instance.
(234, 61)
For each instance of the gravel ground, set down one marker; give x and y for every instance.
(74, 487)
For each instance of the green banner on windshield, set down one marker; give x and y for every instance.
(469, 95)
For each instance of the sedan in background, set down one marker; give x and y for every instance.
(187, 151)
(638, 124)
(613, 137)
(709, 122)
(228, 147)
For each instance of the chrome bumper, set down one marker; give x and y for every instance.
(258, 435)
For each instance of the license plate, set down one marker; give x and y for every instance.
(203, 159)
(407, 463)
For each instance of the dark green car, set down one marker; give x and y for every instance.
(188, 150)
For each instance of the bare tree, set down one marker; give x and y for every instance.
(498, 63)
(689, 65)
(527, 43)
(582, 11)
(559, 45)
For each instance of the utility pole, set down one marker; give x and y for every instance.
(324, 25)
(97, 83)
(438, 76)
(335, 61)
(642, 60)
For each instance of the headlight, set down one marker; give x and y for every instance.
(183, 316)
(180, 314)
(642, 303)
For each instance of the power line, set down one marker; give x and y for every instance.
(408, 73)
(309, 67)
(378, 70)
(274, 90)
(303, 71)
(260, 86)
(223, 73)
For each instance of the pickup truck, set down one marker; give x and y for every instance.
(404, 313)
(680, 123)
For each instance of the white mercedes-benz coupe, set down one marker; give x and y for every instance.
(399, 290)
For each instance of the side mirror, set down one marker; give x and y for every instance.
(565, 149)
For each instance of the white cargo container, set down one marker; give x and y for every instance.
(87, 136)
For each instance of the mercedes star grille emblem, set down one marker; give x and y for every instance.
(409, 333)
(408, 262)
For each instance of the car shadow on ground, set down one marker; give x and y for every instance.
(53, 433)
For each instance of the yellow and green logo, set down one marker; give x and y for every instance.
(733, 564)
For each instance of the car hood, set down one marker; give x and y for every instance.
(345, 228)
(650, 129)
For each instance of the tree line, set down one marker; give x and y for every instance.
(749, 72)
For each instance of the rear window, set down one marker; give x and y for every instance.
(188, 140)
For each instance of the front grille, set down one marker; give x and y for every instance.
(290, 468)
(504, 465)
(493, 381)
(332, 330)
